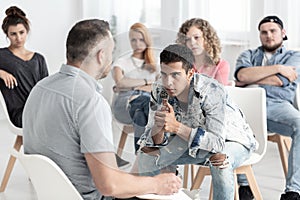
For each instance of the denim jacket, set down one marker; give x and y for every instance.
(282, 56)
(213, 117)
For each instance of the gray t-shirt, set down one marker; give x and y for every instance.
(64, 117)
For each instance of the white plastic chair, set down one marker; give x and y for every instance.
(253, 103)
(48, 180)
(18, 143)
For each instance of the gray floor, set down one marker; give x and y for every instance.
(268, 172)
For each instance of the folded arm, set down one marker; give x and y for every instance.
(124, 83)
(266, 75)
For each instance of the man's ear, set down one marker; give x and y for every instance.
(283, 33)
(100, 56)
(191, 73)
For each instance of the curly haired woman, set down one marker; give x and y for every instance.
(198, 35)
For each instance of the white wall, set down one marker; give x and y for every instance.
(52, 19)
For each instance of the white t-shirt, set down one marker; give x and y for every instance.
(132, 68)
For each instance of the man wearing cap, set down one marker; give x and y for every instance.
(274, 68)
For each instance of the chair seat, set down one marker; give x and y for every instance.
(254, 158)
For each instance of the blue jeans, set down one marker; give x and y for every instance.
(176, 153)
(120, 107)
(284, 118)
(139, 110)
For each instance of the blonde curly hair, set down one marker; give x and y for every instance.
(212, 43)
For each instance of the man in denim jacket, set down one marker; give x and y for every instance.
(193, 121)
(274, 68)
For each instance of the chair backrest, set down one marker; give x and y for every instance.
(252, 101)
(11, 126)
(297, 97)
(49, 181)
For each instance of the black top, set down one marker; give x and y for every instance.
(27, 73)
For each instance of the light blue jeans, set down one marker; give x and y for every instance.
(176, 153)
(284, 119)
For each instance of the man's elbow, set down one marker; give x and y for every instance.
(110, 188)
(242, 77)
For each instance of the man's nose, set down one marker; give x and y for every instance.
(169, 80)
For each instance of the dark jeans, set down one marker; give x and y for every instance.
(139, 110)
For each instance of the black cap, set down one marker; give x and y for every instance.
(274, 19)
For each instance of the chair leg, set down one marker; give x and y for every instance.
(284, 145)
(11, 163)
(185, 175)
(192, 173)
(283, 155)
(125, 131)
(287, 142)
(211, 191)
(202, 172)
(122, 143)
(251, 180)
(236, 187)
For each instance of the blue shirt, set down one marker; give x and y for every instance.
(211, 114)
(65, 117)
(253, 58)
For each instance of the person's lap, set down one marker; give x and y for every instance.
(174, 154)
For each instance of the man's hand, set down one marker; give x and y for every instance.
(9, 80)
(165, 118)
(289, 72)
(167, 183)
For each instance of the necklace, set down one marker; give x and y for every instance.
(134, 63)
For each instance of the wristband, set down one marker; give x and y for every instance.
(146, 82)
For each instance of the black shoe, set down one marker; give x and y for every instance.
(122, 163)
(290, 196)
(245, 193)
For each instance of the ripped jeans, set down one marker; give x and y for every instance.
(176, 153)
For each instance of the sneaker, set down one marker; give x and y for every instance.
(290, 196)
(245, 193)
(122, 164)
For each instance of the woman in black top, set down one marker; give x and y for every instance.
(20, 68)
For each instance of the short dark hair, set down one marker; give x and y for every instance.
(83, 37)
(178, 53)
(14, 16)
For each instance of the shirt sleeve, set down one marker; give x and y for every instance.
(44, 68)
(211, 137)
(243, 61)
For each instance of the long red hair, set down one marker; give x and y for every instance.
(149, 58)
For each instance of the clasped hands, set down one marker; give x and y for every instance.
(164, 119)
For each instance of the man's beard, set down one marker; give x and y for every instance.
(272, 48)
